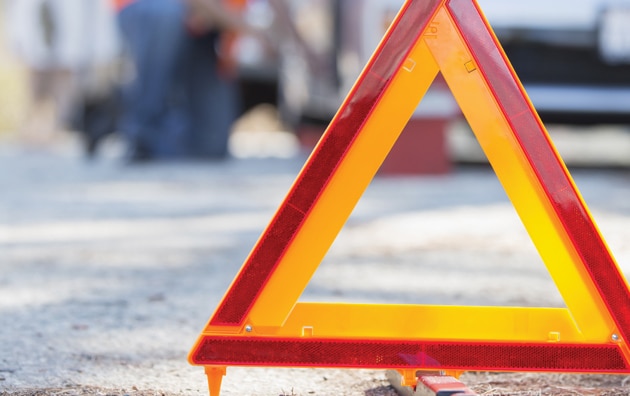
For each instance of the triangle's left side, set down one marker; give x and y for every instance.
(331, 182)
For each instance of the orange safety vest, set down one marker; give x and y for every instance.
(227, 62)
(120, 4)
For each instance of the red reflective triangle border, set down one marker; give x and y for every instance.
(223, 350)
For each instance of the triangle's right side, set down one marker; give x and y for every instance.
(532, 173)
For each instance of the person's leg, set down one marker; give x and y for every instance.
(155, 34)
(214, 102)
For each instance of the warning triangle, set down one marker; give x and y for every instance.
(260, 322)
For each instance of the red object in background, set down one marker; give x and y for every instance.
(420, 149)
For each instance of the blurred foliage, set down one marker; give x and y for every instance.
(14, 92)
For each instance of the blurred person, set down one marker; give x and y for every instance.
(181, 103)
(60, 42)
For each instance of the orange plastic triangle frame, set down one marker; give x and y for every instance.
(260, 321)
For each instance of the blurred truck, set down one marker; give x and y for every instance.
(573, 56)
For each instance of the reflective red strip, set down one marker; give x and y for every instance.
(544, 161)
(377, 354)
(316, 174)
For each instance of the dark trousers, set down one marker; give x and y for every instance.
(177, 105)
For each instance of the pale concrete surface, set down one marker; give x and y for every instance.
(109, 272)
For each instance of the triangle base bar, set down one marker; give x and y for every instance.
(409, 354)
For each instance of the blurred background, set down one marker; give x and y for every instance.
(114, 269)
(573, 58)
